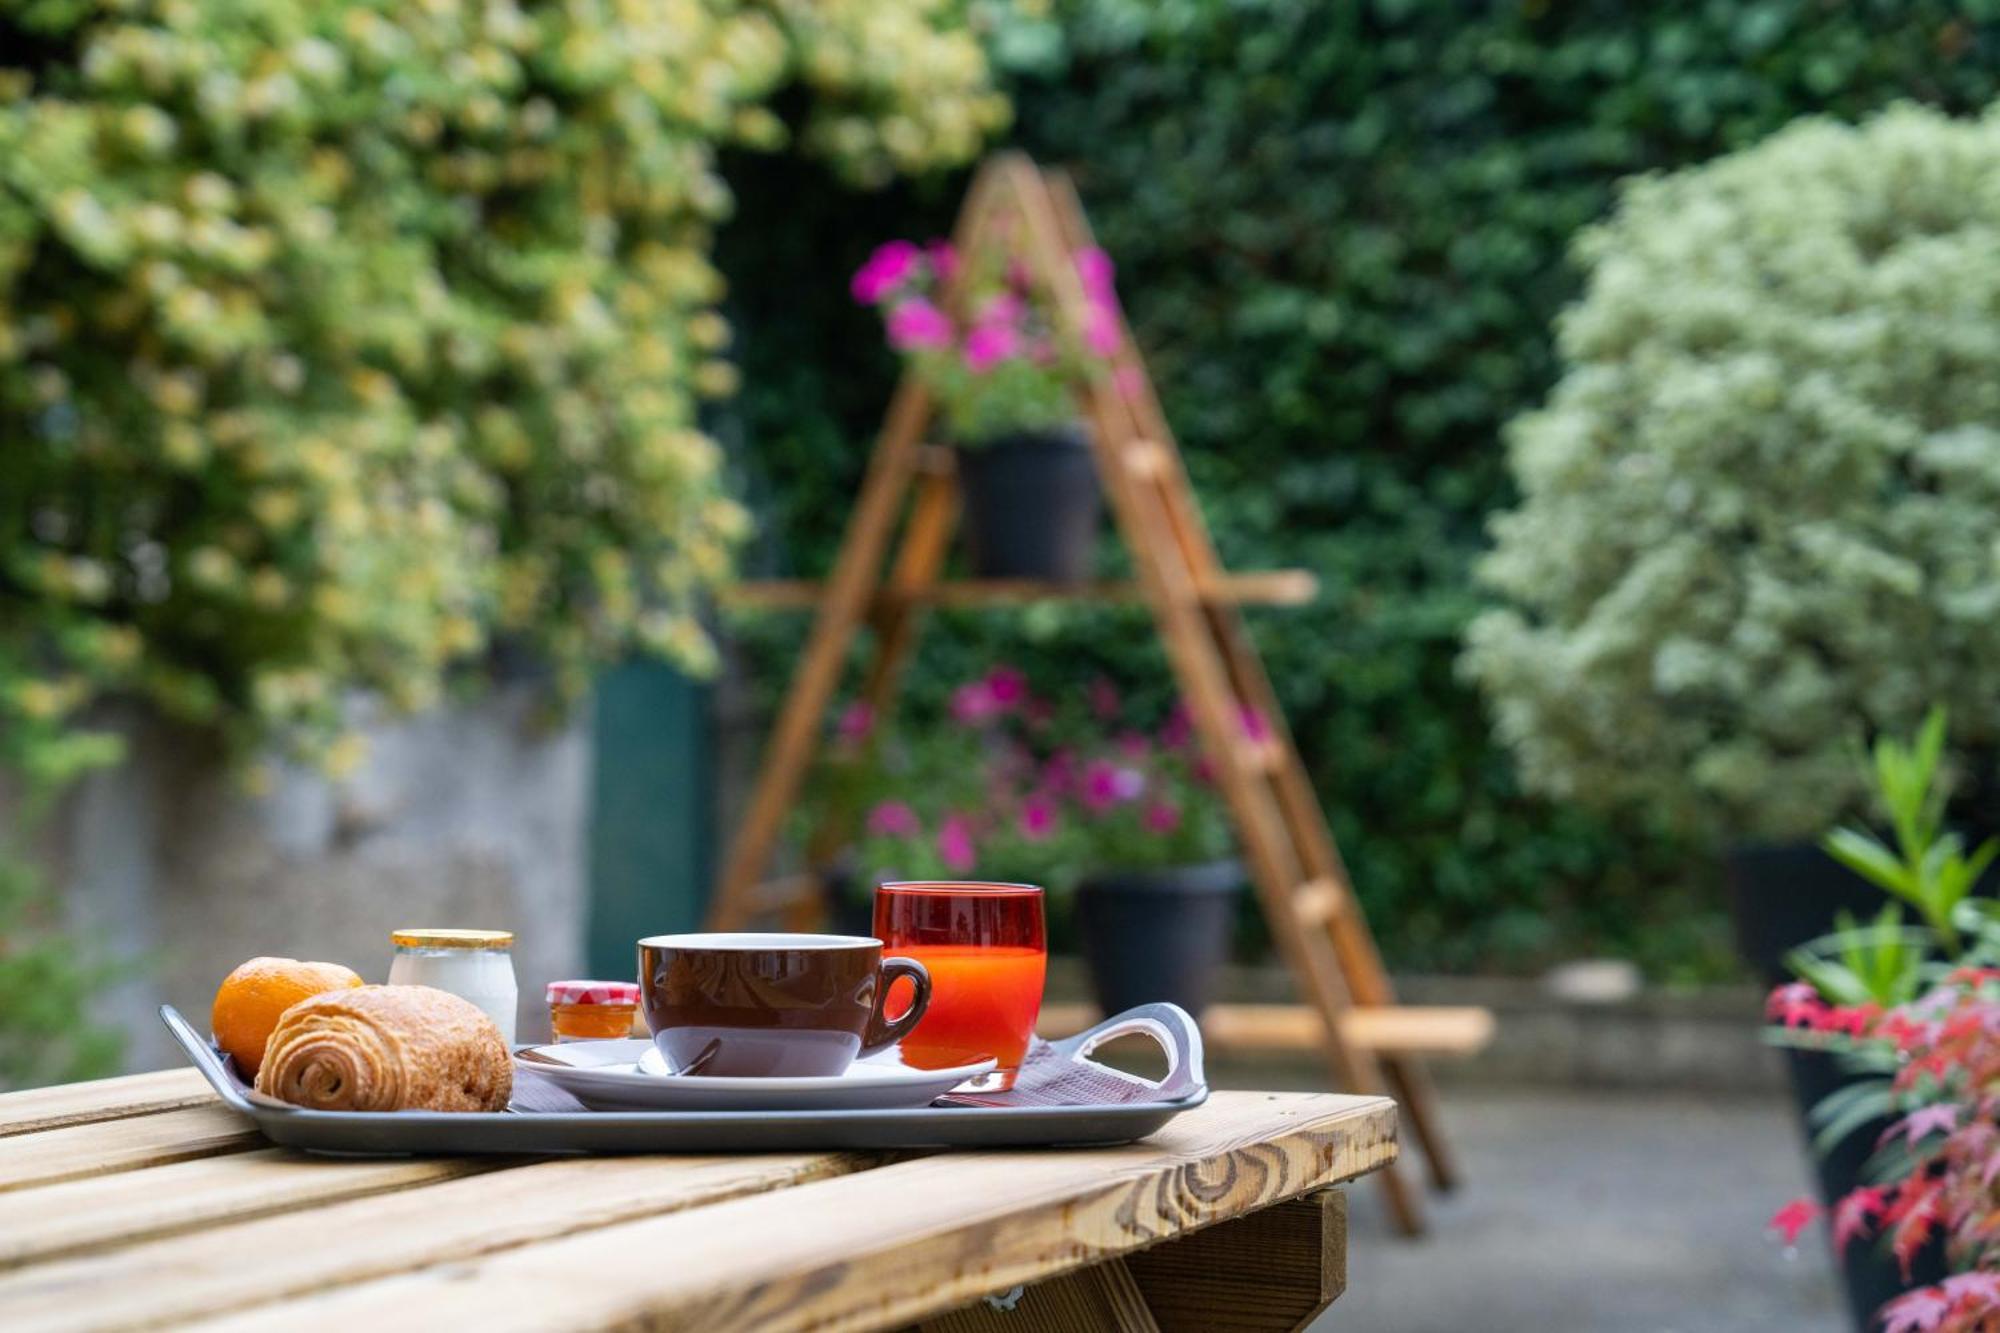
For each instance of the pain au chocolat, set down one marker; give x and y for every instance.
(387, 1048)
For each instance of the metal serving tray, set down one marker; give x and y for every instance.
(1040, 1116)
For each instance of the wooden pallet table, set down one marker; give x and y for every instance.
(143, 1202)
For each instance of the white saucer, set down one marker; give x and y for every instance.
(627, 1074)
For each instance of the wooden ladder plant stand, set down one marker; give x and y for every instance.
(1370, 1043)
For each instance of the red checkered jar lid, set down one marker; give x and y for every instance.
(593, 992)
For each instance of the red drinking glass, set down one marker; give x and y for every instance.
(986, 950)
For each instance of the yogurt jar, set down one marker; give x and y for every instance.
(475, 965)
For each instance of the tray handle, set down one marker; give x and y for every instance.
(1171, 1026)
(202, 1055)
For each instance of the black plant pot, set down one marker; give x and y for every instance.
(1783, 896)
(1031, 505)
(850, 906)
(1158, 934)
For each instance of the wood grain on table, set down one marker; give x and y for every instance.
(148, 1211)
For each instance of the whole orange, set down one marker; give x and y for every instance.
(252, 997)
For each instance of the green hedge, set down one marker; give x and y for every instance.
(1341, 232)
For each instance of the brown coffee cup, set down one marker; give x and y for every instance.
(772, 1006)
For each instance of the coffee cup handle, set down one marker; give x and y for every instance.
(883, 1033)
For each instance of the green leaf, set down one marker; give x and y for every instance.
(1866, 856)
(1841, 1113)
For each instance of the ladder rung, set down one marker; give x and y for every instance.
(1276, 587)
(1318, 901)
(1266, 755)
(1386, 1029)
(1145, 460)
(1419, 1029)
(774, 895)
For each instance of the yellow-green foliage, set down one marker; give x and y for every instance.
(340, 339)
(1761, 512)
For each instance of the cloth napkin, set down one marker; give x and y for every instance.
(1048, 1078)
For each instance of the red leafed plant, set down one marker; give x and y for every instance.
(1943, 1150)
(1916, 1011)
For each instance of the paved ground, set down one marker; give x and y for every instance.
(1640, 1213)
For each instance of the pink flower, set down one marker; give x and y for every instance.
(973, 703)
(1014, 763)
(1106, 784)
(1038, 817)
(954, 844)
(1134, 746)
(987, 345)
(1097, 272)
(1100, 332)
(917, 323)
(892, 819)
(1006, 685)
(1103, 697)
(1100, 322)
(1059, 773)
(1793, 1218)
(944, 259)
(1002, 308)
(1254, 726)
(1100, 786)
(885, 270)
(1161, 817)
(1177, 732)
(856, 721)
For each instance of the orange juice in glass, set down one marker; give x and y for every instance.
(986, 949)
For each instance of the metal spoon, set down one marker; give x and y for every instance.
(531, 1055)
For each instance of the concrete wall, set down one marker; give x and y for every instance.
(474, 815)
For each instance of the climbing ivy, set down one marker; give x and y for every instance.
(1341, 231)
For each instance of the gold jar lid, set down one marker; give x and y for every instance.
(452, 939)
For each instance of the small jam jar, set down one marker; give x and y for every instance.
(592, 1010)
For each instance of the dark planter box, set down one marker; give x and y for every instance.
(1783, 895)
(1158, 934)
(1032, 505)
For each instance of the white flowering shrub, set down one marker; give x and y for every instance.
(342, 338)
(1760, 513)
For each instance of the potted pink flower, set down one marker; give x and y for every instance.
(982, 338)
(953, 798)
(1119, 818)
